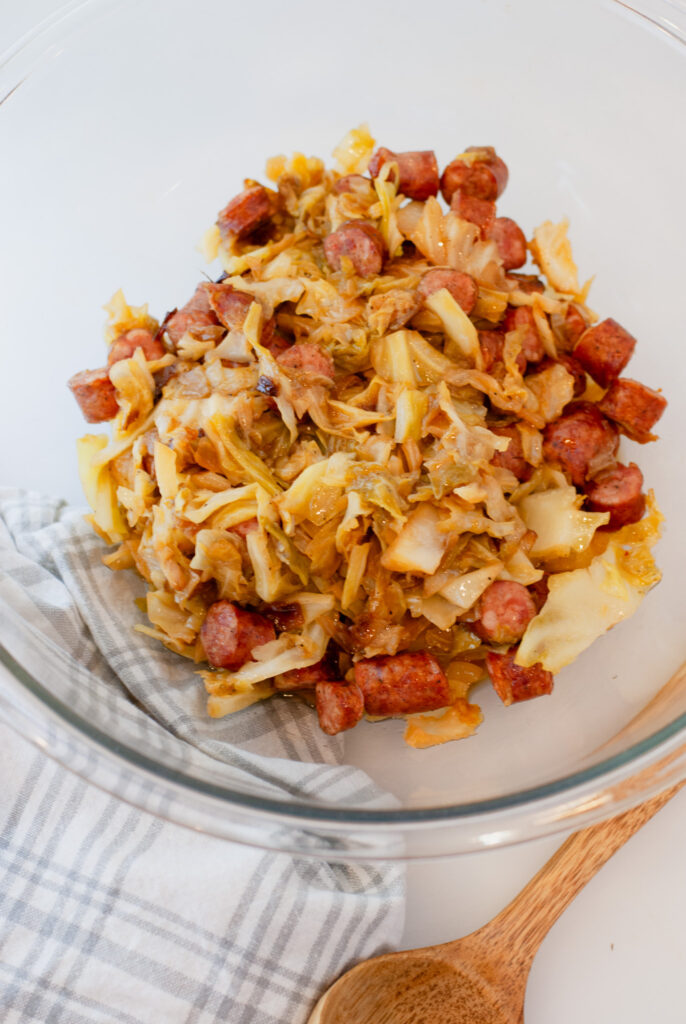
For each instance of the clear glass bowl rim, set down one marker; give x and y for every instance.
(652, 747)
(16, 64)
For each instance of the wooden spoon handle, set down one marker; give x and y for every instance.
(522, 926)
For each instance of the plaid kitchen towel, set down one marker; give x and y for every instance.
(110, 914)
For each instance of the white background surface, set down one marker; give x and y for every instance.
(618, 955)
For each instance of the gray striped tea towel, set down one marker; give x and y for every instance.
(113, 915)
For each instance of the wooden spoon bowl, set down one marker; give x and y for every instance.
(481, 979)
(411, 987)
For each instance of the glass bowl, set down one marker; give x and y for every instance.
(125, 126)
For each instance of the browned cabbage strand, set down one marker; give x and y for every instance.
(380, 512)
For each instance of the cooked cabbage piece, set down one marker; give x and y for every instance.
(559, 522)
(584, 603)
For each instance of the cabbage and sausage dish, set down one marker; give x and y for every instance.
(375, 460)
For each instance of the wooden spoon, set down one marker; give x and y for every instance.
(481, 979)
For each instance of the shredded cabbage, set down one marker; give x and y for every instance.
(584, 603)
(98, 487)
(455, 723)
(552, 251)
(354, 151)
(559, 522)
(458, 327)
(419, 546)
(337, 461)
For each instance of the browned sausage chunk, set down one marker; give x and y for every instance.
(522, 316)
(361, 242)
(539, 592)
(417, 171)
(574, 325)
(635, 407)
(245, 213)
(272, 340)
(478, 211)
(197, 313)
(485, 178)
(126, 344)
(306, 357)
(604, 351)
(94, 391)
(527, 283)
(306, 678)
(510, 241)
(352, 183)
(505, 610)
(230, 305)
(491, 343)
(462, 287)
(402, 684)
(582, 441)
(244, 528)
(618, 491)
(339, 706)
(229, 635)
(514, 683)
(513, 458)
(576, 370)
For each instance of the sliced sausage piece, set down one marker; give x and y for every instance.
(527, 283)
(582, 441)
(126, 344)
(229, 634)
(230, 305)
(352, 183)
(245, 213)
(244, 528)
(505, 610)
(619, 492)
(417, 171)
(196, 313)
(604, 351)
(513, 458)
(514, 683)
(340, 706)
(382, 156)
(361, 242)
(539, 592)
(510, 242)
(307, 678)
(485, 178)
(462, 287)
(271, 339)
(522, 316)
(574, 325)
(306, 357)
(491, 344)
(95, 393)
(402, 684)
(478, 211)
(635, 407)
